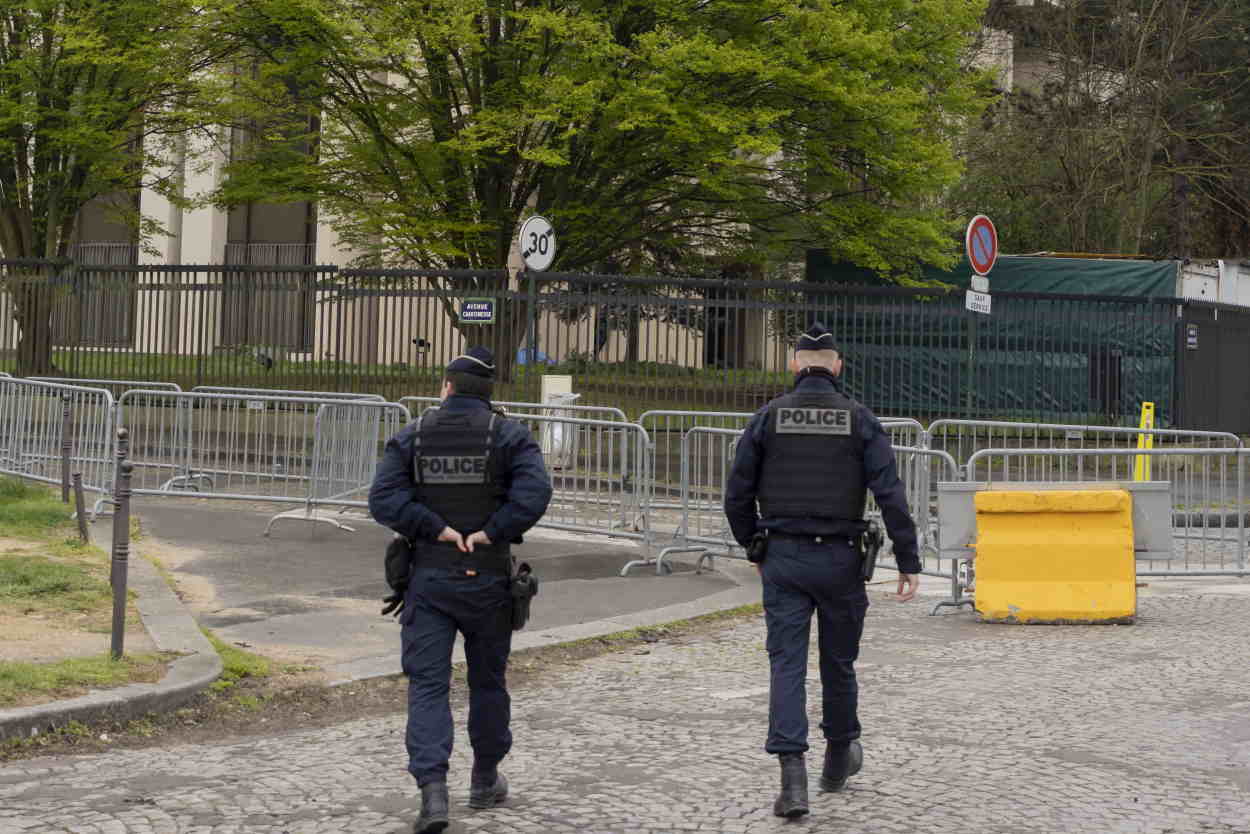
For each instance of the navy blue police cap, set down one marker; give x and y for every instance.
(817, 337)
(477, 361)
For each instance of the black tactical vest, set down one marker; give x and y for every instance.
(813, 458)
(454, 467)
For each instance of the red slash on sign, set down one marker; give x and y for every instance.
(982, 242)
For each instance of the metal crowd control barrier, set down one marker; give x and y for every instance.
(963, 438)
(600, 477)
(34, 432)
(667, 430)
(348, 439)
(707, 459)
(604, 487)
(281, 392)
(116, 387)
(521, 409)
(916, 468)
(1207, 491)
(224, 445)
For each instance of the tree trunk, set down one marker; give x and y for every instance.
(33, 297)
(631, 339)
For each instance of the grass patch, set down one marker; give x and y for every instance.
(33, 682)
(31, 511)
(32, 583)
(50, 573)
(60, 574)
(15, 489)
(247, 702)
(237, 664)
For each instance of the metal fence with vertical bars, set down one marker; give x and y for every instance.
(635, 343)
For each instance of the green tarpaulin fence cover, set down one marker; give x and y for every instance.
(1029, 273)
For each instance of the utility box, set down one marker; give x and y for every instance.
(558, 440)
(555, 384)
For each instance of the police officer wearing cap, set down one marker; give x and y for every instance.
(797, 492)
(460, 485)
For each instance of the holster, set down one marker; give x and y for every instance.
(524, 587)
(869, 545)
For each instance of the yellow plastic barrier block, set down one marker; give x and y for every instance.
(1055, 556)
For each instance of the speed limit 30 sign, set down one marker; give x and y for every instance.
(538, 243)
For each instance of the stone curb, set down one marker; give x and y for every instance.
(172, 629)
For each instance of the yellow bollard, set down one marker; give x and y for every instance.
(1141, 467)
(1055, 556)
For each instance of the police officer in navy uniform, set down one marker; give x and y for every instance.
(807, 460)
(461, 485)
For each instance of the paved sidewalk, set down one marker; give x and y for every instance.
(968, 728)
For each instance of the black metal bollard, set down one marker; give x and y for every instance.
(66, 446)
(120, 566)
(122, 453)
(80, 509)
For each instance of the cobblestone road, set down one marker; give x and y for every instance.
(968, 728)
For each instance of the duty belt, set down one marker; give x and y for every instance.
(817, 538)
(487, 561)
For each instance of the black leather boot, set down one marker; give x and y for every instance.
(840, 765)
(792, 801)
(487, 789)
(433, 809)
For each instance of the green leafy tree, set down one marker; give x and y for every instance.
(92, 94)
(651, 132)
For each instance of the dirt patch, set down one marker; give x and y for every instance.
(37, 638)
(38, 626)
(295, 699)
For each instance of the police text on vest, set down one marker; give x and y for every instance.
(453, 469)
(813, 421)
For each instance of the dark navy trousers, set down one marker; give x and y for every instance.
(439, 603)
(802, 576)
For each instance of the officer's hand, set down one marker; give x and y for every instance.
(908, 585)
(479, 537)
(395, 603)
(454, 537)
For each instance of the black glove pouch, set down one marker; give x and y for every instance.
(524, 587)
(398, 564)
(758, 548)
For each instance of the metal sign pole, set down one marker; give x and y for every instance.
(531, 346)
(537, 240)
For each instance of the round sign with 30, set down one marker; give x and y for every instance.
(538, 243)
